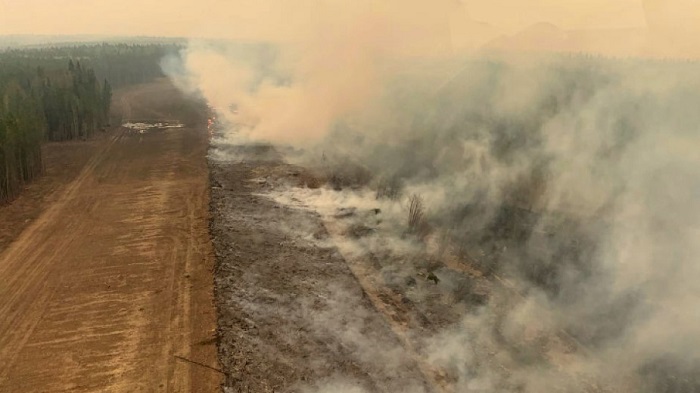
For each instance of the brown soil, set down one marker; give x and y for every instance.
(107, 285)
(63, 162)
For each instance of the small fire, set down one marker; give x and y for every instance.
(210, 126)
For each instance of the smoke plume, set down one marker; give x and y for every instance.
(575, 177)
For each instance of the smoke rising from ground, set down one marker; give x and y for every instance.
(577, 178)
(332, 64)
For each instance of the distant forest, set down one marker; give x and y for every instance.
(59, 94)
(120, 64)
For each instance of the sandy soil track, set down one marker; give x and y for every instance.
(111, 286)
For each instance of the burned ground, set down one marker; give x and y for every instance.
(307, 298)
(291, 313)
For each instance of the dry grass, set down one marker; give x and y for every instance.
(311, 180)
(347, 174)
(293, 175)
(358, 230)
(416, 213)
(389, 188)
(417, 223)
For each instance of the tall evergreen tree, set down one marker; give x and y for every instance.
(45, 105)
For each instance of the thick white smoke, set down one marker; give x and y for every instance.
(596, 163)
(576, 177)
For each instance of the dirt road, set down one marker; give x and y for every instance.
(110, 288)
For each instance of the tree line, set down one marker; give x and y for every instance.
(122, 64)
(60, 93)
(42, 105)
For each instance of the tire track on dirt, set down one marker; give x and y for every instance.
(21, 316)
(97, 292)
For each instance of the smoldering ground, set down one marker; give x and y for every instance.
(567, 175)
(575, 179)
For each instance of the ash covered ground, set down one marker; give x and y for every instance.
(325, 286)
(292, 317)
(528, 226)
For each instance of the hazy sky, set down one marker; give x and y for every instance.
(675, 21)
(570, 14)
(192, 17)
